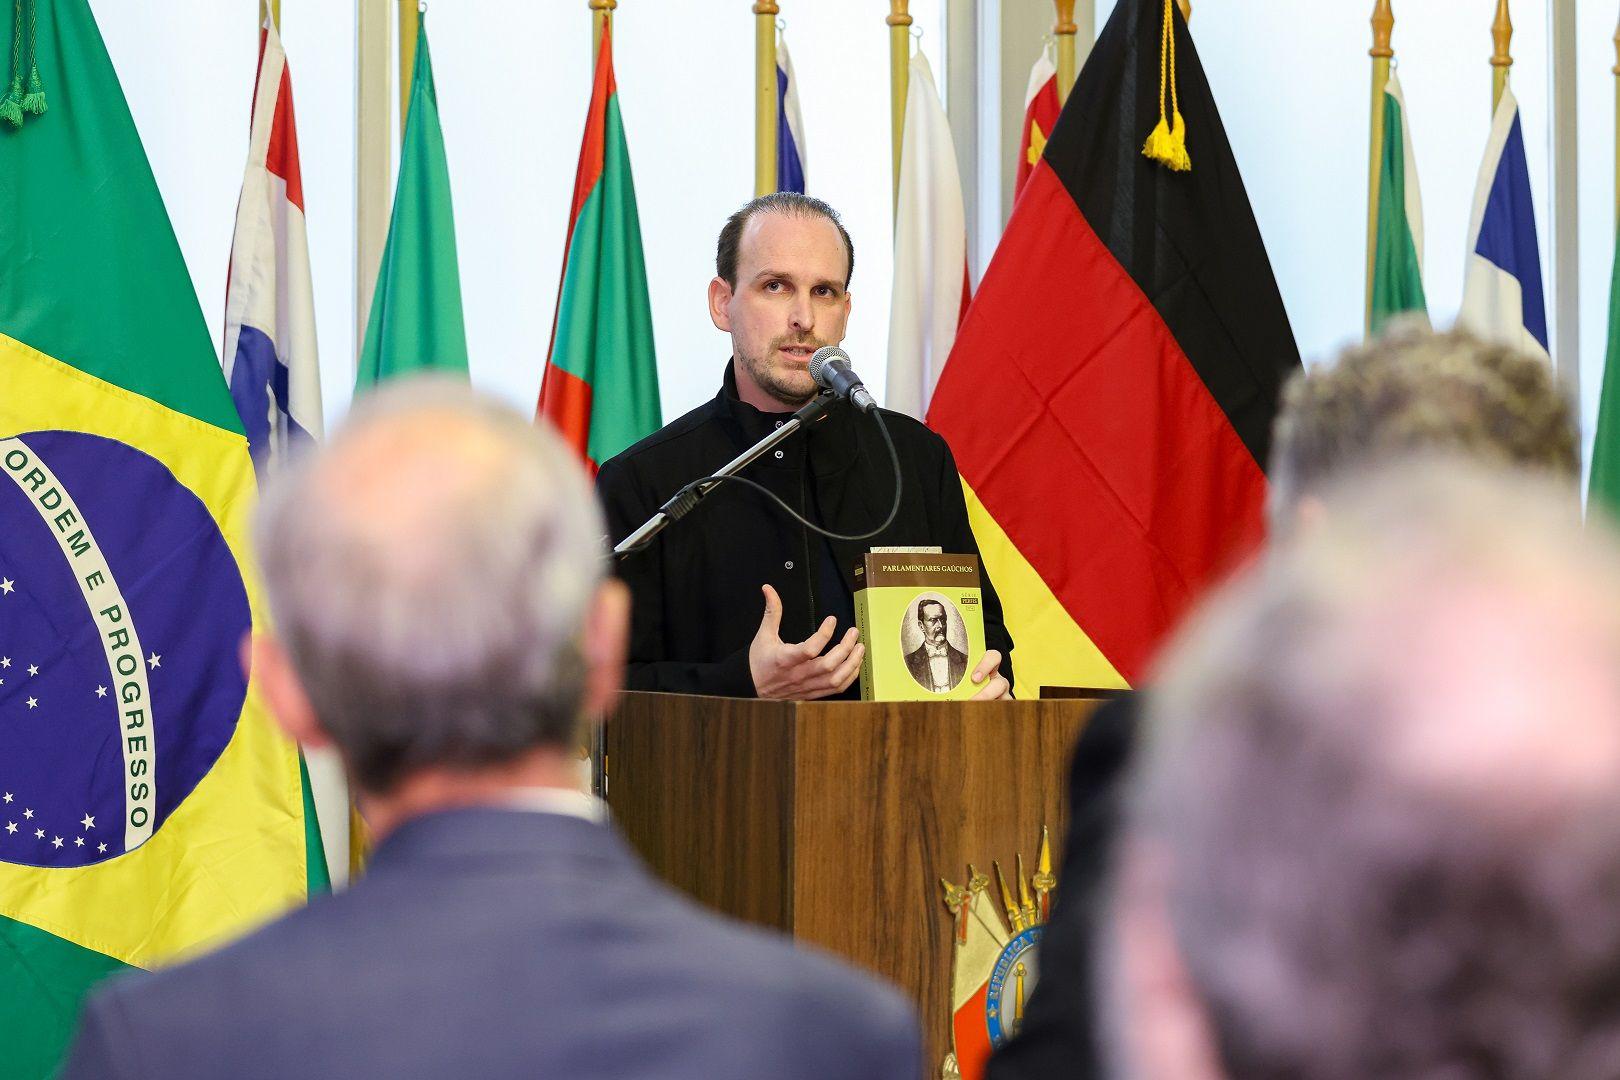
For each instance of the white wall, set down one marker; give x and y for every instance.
(513, 79)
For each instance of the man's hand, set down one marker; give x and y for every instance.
(990, 668)
(799, 672)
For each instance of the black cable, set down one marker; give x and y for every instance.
(686, 499)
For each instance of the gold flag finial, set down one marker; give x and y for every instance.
(1383, 25)
(1026, 902)
(1015, 919)
(1167, 142)
(1501, 55)
(1044, 882)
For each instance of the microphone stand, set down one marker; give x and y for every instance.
(684, 501)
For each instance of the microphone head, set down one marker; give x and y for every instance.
(819, 361)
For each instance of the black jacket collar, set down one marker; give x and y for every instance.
(830, 438)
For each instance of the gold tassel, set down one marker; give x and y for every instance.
(1167, 142)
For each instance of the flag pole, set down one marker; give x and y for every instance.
(765, 12)
(1064, 30)
(1383, 27)
(1616, 72)
(601, 19)
(899, 22)
(1186, 9)
(1501, 59)
(372, 155)
(409, 20)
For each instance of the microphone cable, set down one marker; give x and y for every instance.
(687, 498)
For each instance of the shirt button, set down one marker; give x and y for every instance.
(788, 565)
(779, 423)
(779, 453)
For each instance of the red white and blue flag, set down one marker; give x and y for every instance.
(1502, 295)
(269, 357)
(790, 157)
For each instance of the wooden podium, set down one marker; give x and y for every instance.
(835, 822)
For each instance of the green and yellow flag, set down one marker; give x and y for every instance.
(148, 808)
(1397, 285)
(415, 322)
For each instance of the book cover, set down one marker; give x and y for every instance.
(921, 618)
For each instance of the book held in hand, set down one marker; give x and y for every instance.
(921, 618)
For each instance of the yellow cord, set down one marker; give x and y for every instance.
(1167, 142)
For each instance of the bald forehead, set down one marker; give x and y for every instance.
(806, 245)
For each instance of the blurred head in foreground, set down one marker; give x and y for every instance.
(436, 577)
(1414, 391)
(1375, 831)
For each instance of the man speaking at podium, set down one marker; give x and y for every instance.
(738, 599)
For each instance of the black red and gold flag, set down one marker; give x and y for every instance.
(1110, 397)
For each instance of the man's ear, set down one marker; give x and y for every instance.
(606, 643)
(720, 294)
(272, 669)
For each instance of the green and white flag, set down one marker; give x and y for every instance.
(1398, 243)
(1605, 484)
(415, 322)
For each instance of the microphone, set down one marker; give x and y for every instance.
(830, 368)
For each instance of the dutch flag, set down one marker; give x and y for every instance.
(269, 357)
(1502, 298)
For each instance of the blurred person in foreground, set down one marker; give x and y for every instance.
(1411, 391)
(1375, 829)
(443, 618)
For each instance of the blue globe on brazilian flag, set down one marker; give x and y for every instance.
(148, 808)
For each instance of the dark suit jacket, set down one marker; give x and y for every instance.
(917, 663)
(1059, 1036)
(695, 590)
(490, 943)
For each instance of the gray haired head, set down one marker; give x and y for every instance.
(429, 571)
(1384, 773)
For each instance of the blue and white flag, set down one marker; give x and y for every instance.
(269, 357)
(1502, 298)
(790, 156)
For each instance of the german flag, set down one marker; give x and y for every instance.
(1109, 399)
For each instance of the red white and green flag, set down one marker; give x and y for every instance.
(601, 381)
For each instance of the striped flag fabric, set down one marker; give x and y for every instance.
(790, 152)
(1502, 296)
(1041, 109)
(930, 291)
(600, 386)
(271, 364)
(415, 323)
(1112, 426)
(148, 806)
(1604, 486)
(1397, 286)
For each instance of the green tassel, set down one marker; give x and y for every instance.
(11, 105)
(34, 101)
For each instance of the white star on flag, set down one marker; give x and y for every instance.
(33, 703)
(33, 669)
(155, 660)
(88, 822)
(101, 691)
(78, 841)
(8, 796)
(5, 661)
(11, 826)
(39, 834)
(56, 841)
(28, 813)
(101, 847)
(6, 586)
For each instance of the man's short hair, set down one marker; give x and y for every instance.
(777, 202)
(924, 603)
(430, 570)
(1414, 390)
(1384, 773)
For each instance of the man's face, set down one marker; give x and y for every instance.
(789, 301)
(932, 619)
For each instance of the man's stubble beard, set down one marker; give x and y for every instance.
(767, 379)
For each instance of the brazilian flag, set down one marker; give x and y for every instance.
(148, 808)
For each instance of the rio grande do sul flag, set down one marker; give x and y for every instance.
(600, 386)
(147, 806)
(1397, 286)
